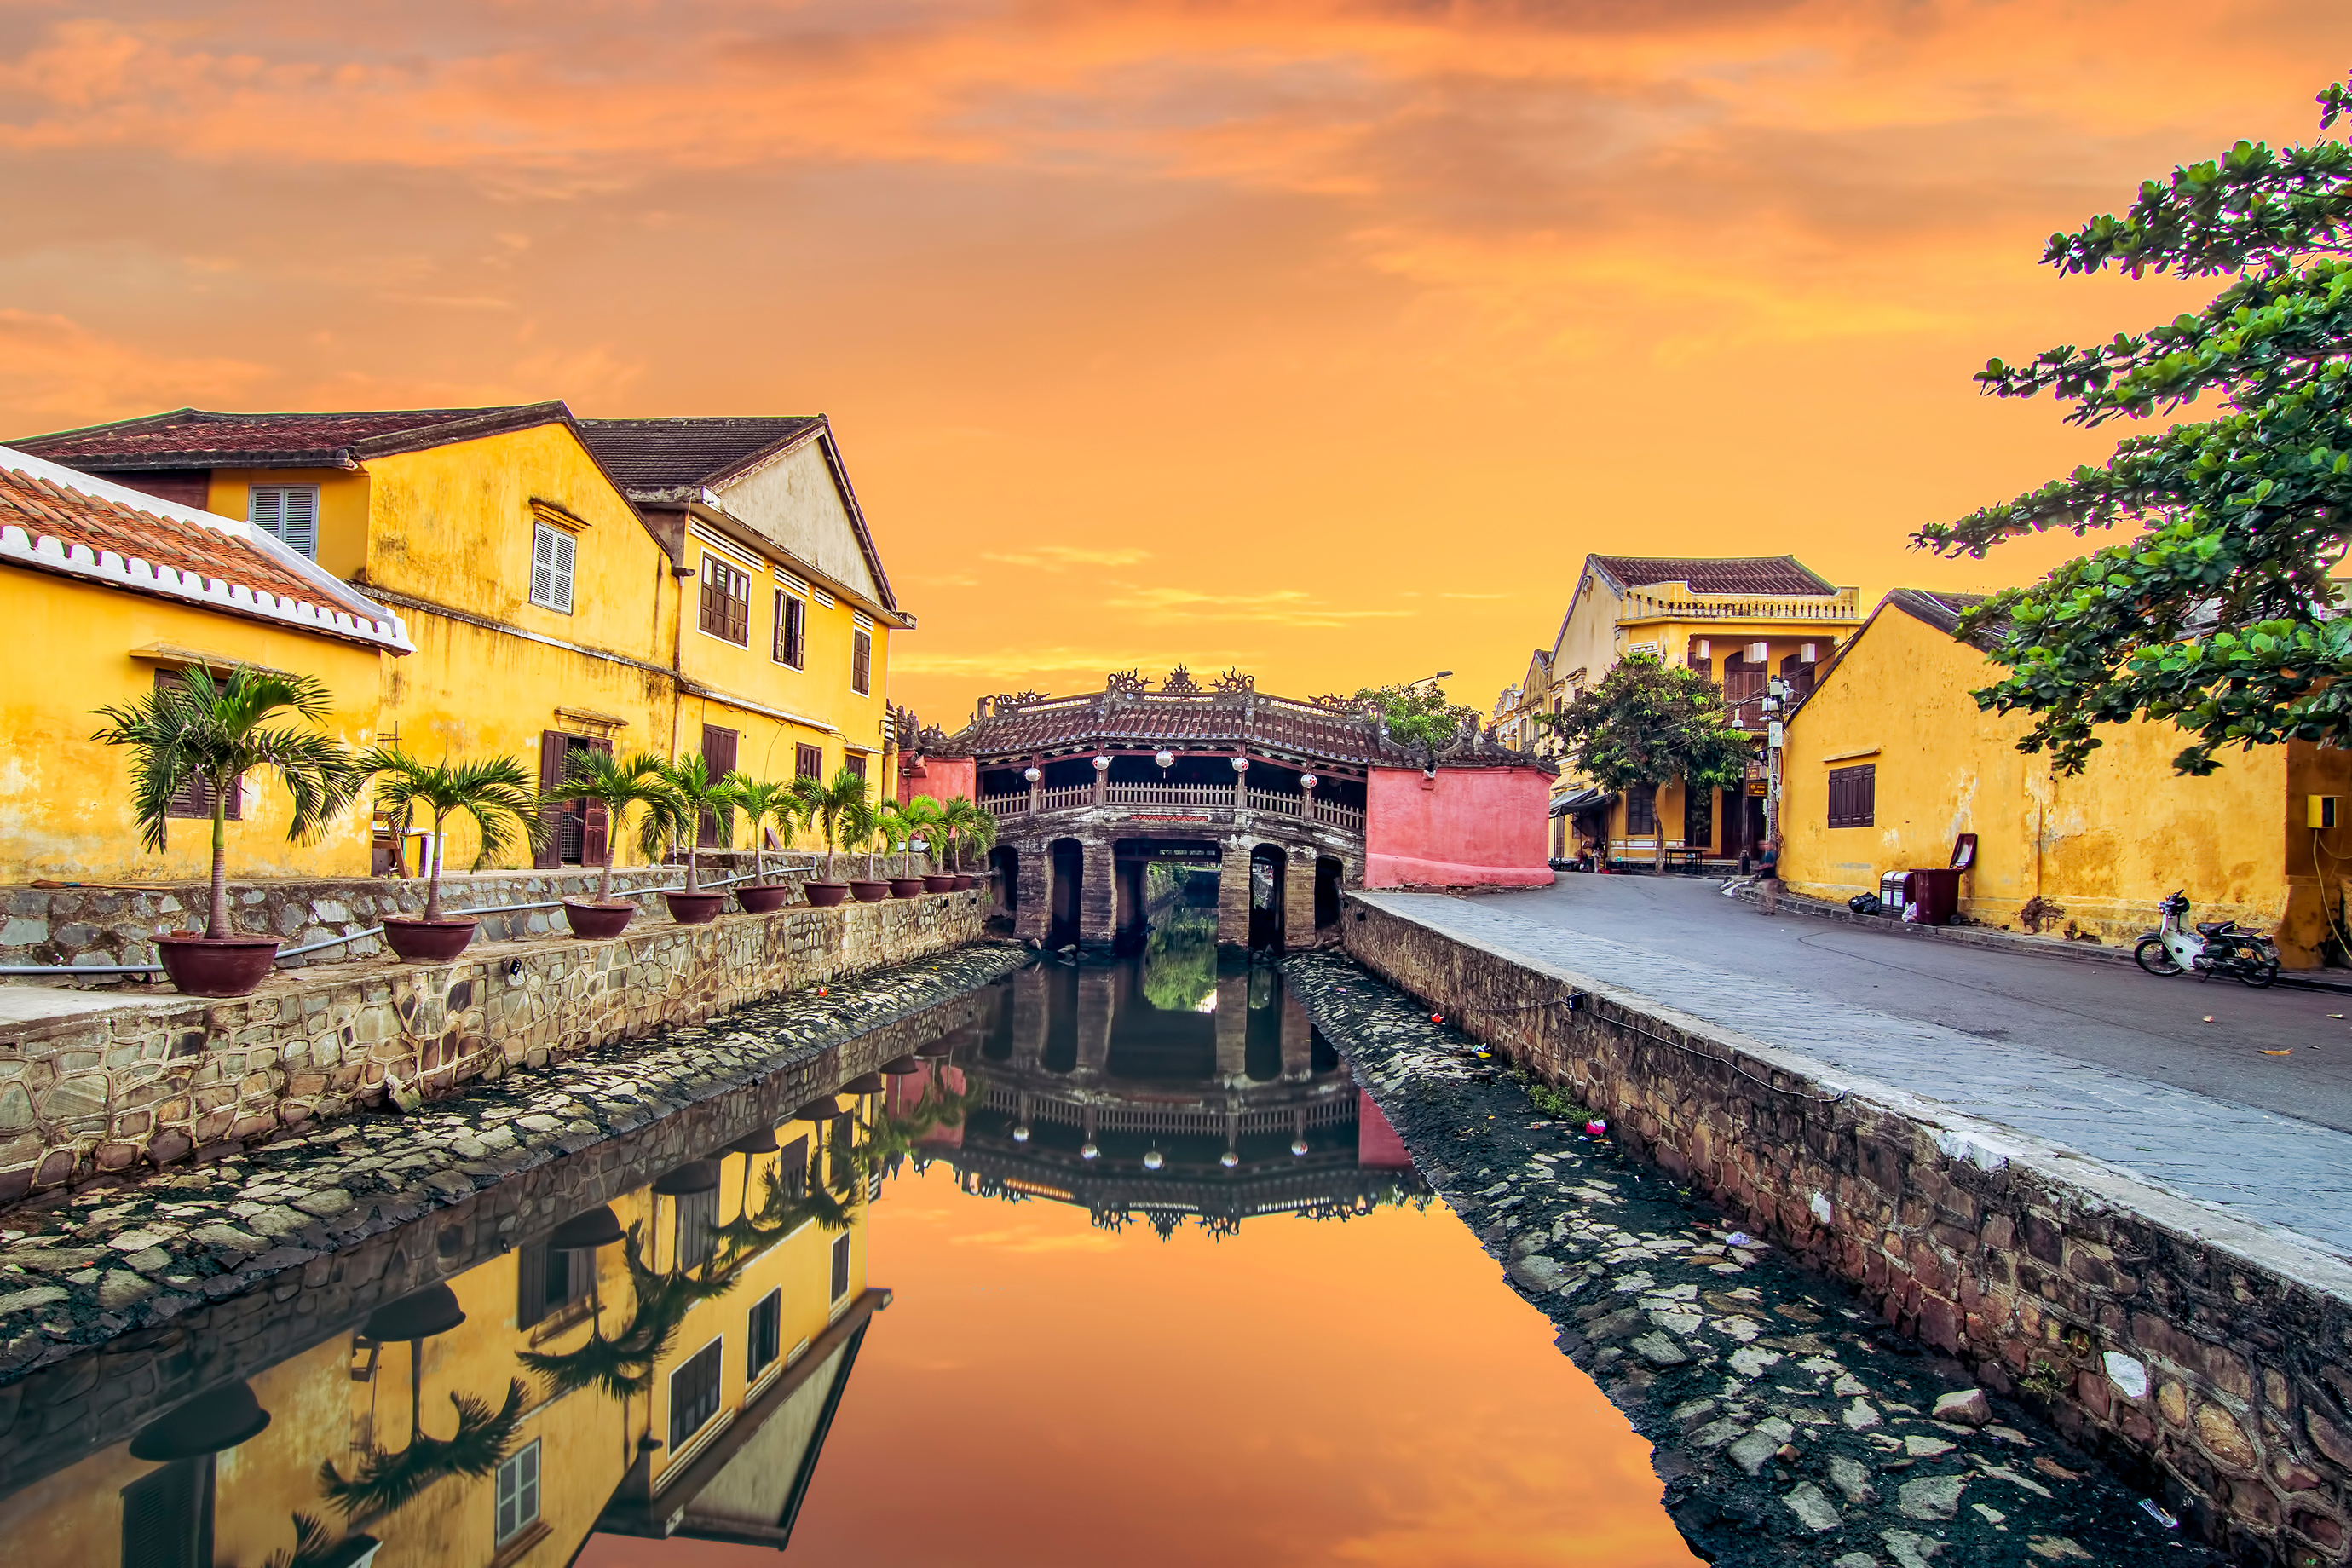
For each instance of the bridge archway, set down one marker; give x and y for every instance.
(1329, 878)
(1066, 864)
(1004, 886)
(1268, 867)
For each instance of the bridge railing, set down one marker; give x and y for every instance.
(1337, 814)
(1001, 806)
(1065, 797)
(1154, 793)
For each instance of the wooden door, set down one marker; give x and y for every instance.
(595, 833)
(719, 755)
(552, 744)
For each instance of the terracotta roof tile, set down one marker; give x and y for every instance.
(46, 522)
(650, 454)
(1731, 575)
(1272, 726)
(198, 438)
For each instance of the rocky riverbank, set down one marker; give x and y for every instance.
(127, 1253)
(1790, 1428)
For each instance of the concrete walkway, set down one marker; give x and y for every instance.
(2265, 1165)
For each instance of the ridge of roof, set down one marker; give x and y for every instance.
(1778, 574)
(207, 439)
(59, 519)
(655, 456)
(1937, 608)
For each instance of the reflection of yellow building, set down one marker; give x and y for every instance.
(716, 1436)
(1890, 759)
(106, 591)
(1740, 622)
(677, 587)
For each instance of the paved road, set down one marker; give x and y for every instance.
(2107, 1060)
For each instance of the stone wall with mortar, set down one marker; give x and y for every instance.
(109, 924)
(156, 1078)
(2208, 1356)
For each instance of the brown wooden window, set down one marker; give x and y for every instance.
(861, 662)
(808, 762)
(791, 630)
(719, 750)
(1641, 809)
(580, 829)
(856, 765)
(694, 1394)
(1854, 795)
(840, 1266)
(550, 1280)
(195, 797)
(764, 1335)
(726, 601)
(1698, 815)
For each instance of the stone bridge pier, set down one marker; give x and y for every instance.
(1087, 886)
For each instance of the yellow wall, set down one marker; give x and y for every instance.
(2104, 845)
(320, 1411)
(343, 507)
(65, 810)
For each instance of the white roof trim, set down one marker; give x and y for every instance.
(345, 613)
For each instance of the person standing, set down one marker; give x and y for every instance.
(1767, 877)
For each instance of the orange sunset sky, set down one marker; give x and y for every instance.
(1323, 339)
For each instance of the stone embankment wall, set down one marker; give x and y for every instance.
(153, 1079)
(116, 924)
(2185, 1345)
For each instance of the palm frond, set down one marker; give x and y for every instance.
(384, 1481)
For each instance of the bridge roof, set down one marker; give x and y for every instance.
(1327, 731)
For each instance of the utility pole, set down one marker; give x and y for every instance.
(1776, 695)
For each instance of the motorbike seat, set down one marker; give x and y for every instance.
(2215, 928)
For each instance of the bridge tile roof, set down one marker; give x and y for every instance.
(1254, 723)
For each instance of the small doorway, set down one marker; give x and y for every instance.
(1068, 859)
(1267, 865)
(1328, 872)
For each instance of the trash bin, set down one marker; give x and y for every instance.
(1929, 896)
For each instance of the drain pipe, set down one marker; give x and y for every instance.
(285, 953)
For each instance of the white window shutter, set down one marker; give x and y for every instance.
(564, 545)
(300, 515)
(542, 566)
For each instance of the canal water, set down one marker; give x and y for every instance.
(1123, 1267)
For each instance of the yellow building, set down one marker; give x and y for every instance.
(1889, 761)
(1740, 621)
(107, 592)
(765, 1307)
(740, 611)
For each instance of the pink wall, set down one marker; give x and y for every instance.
(1470, 827)
(942, 778)
(1378, 1147)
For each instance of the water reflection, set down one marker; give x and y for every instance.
(668, 1364)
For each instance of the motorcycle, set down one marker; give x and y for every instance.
(2214, 947)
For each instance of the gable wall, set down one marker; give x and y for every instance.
(795, 501)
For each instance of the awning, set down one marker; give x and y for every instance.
(1582, 800)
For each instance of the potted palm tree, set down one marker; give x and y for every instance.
(896, 831)
(618, 784)
(197, 730)
(766, 804)
(927, 819)
(695, 796)
(834, 808)
(969, 824)
(494, 791)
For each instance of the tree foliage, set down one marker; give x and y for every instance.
(1418, 717)
(1647, 723)
(2219, 615)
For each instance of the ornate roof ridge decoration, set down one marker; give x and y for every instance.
(1179, 683)
(1125, 683)
(915, 738)
(1234, 683)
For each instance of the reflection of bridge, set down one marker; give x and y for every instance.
(1290, 801)
(1093, 1095)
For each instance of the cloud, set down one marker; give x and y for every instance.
(1282, 607)
(1015, 664)
(1062, 557)
(58, 368)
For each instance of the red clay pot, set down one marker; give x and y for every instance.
(824, 895)
(229, 967)
(869, 892)
(905, 887)
(764, 897)
(428, 942)
(964, 881)
(695, 909)
(940, 884)
(598, 920)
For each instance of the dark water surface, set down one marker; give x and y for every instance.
(1125, 1269)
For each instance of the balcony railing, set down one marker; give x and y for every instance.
(1845, 605)
(1179, 796)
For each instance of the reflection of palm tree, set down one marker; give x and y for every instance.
(895, 1134)
(313, 1546)
(623, 1364)
(384, 1481)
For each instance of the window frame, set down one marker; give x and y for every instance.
(253, 494)
(840, 1270)
(755, 1366)
(715, 1350)
(1842, 790)
(861, 661)
(501, 1493)
(1647, 795)
(195, 800)
(564, 540)
(725, 599)
(790, 633)
(802, 765)
(704, 1244)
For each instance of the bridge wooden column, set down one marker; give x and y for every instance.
(1095, 1008)
(1234, 895)
(1232, 1027)
(1297, 1041)
(1031, 1012)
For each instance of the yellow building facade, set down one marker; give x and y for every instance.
(737, 610)
(107, 590)
(1740, 621)
(716, 1440)
(1889, 761)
